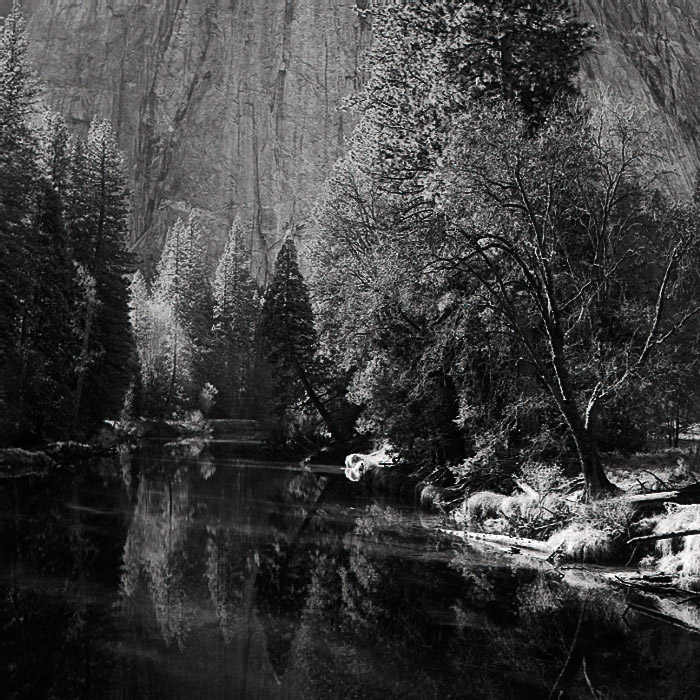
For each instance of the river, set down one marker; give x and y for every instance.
(177, 574)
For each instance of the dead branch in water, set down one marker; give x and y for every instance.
(503, 540)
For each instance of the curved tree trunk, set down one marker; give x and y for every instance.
(597, 483)
(317, 403)
(561, 387)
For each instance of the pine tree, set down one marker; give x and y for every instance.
(432, 62)
(97, 215)
(46, 379)
(50, 342)
(288, 328)
(236, 313)
(182, 283)
(55, 152)
(183, 278)
(19, 195)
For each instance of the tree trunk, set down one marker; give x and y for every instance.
(173, 380)
(82, 363)
(318, 404)
(677, 427)
(597, 483)
(506, 49)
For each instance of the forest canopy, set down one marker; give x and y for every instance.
(500, 265)
(499, 272)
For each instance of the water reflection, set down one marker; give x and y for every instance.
(174, 574)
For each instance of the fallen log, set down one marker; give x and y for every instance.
(503, 540)
(664, 536)
(652, 497)
(686, 495)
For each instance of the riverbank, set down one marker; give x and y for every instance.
(653, 527)
(38, 458)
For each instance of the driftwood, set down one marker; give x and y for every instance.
(664, 536)
(656, 499)
(652, 498)
(513, 543)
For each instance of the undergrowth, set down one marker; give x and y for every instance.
(679, 555)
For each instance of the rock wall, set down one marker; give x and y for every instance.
(232, 106)
(648, 51)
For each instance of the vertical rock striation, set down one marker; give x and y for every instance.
(648, 51)
(232, 106)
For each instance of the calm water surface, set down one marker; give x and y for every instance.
(165, 576)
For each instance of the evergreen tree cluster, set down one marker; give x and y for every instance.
(196, 337)
(305, 380)
(499, 269)
(222, 346)
(65, 337)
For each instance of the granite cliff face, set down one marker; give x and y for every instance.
(649, 51)
(232, 106)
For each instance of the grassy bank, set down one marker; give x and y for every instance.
(546, 506)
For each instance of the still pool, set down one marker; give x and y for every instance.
(157, 575)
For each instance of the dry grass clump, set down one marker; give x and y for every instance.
(584, 542)
(521, 514)
(529, 516)
(597, 533)
(680, 555)
(483, 505)
(518, 506)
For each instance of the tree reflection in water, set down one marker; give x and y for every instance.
(57, 637)
(226, 579)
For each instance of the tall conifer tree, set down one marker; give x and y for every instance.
(183, 278)
(182, 283)
(98, 224)
(19, 193)
(288, 328)
(236, 314)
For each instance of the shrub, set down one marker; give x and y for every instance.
(613, 514)
(543, 478)
(597, 532)
(680, 555)
(585, 542)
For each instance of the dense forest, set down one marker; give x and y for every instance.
(501, 268)
(499, 273)
(64, 327)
